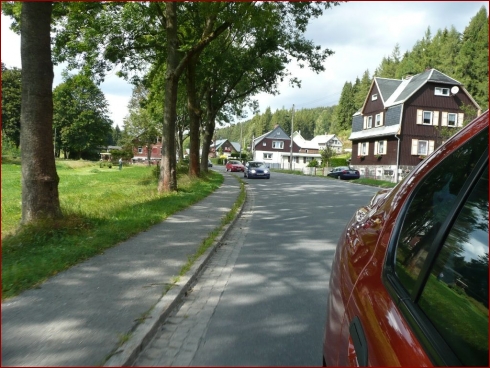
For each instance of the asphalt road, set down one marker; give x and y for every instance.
(262, 300)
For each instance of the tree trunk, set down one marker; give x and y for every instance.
(40, 180)
(168, 174)
(208, 132)
(194, 119)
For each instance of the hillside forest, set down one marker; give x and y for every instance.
(462, 56)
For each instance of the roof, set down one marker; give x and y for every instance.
(396, 91)
(220, 142)
(276, 133)
(376, 132)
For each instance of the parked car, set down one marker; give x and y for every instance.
(409, 279)
(344, 173)
(256, 169)
(234, 165)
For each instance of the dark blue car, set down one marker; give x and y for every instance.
(256, 169)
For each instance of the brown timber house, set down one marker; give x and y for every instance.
(402, 121)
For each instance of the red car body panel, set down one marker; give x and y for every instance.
(356, 288)
(231, 166)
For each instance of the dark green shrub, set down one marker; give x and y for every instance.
(313, 163)
(337, 161)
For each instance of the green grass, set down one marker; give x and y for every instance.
(101, 208)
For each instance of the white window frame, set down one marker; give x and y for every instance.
(422, 147)
(374, 97)
(377, 120)
(416, 145)
(369, 124)
(455, 119)
(441, 91)
(140, 149)
(264, 144)
(277, 144)
(267, 156)
(380, 147)
(431, 117)
(363, 149)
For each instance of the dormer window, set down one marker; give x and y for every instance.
(374, 97)
(439, 91)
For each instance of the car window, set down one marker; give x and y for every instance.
(456, 292)
(430, 206)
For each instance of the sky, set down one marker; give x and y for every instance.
(359, 33)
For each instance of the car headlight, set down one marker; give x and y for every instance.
(266, 171)
(252, 171)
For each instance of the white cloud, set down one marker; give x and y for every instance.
(360, 34)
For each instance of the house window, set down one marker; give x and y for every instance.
(374, 97)
(439, 91)
(267, 156)
(423, 148)
(364, 148)
(452, 120)
(264, 144)
(427, 118)
(296, 159)
(377, 120)
(381, 147)
(140, 149)
(369, 122)
(278, 144)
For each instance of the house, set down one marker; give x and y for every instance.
(141, 151)
(328, 140)
(274, 148)
(226, 146)
(401, 122)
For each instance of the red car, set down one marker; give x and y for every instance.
(234, 165)
(409, 279)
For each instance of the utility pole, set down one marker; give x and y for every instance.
(241, 142)
(291, 145)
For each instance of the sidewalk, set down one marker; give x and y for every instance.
(83, 315)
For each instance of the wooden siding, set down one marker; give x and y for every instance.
(268, 146)
(373, 107)
(426, 100)
(372, 159)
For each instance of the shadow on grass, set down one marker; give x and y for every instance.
(38, 251)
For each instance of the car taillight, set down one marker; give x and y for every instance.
(344, 172)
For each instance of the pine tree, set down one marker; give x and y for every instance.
(472, 63)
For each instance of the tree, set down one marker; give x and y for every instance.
(327, 153)
(81, 116)
(11, 104)
(472, 63)
(139, 125)
(362, 89)
(345, 109)
(116, 135)
(40, 198)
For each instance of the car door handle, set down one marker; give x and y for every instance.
(360, 343)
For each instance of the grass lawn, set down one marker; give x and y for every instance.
(101, 208)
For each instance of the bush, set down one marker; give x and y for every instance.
(338, 161)
(313, 163)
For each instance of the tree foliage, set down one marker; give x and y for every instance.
(81, 116)
(11, 104)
